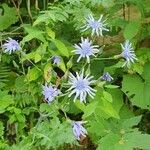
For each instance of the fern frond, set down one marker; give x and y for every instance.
(4, 73)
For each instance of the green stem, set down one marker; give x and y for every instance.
(109, 58)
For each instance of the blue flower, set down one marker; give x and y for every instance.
(80, 86)
(11, 46)
(56, 59)
(107, 77)
(128, 53)
(97, 26)
(50, 93)
(79, 130)
(85, 49)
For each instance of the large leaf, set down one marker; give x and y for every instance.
(136, 89)
(8, 18)
(128, 141)
(132, 29)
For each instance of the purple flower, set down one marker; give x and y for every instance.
(128, 53)
(50, 93)
(11, 46)
(97, 26)
(85, 49)
(56, 59)
(107, 77)
(80, 85)
(79, 130)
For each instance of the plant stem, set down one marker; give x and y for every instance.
(17, 8)
(109, 58)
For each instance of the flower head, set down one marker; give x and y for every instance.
(97, 26)
(50, 93)
(79, 130)
(80, 85)
(107, 77)
(128, 53)
(11, 46)
(85, 49)
(56, 59)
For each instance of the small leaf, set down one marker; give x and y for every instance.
(37, 57)
(50, 33)
(33, 74)
(107, 96)
(48, 72)
(89, 109)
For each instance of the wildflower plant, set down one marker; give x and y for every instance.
(79, 80)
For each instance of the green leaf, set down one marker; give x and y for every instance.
(132, 29)
(107, 96)
(61, 47)
(89, 109)
(33, 32)
(117, 96)
(33, 74)
(50, 33)
(137, 91)
(5, 101)
(129, 123)
(37, 57)
(108, 108)
(8, 18)
(146, 72)
(112, 86)
(48, 72)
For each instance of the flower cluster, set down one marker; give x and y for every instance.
(80, 84)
